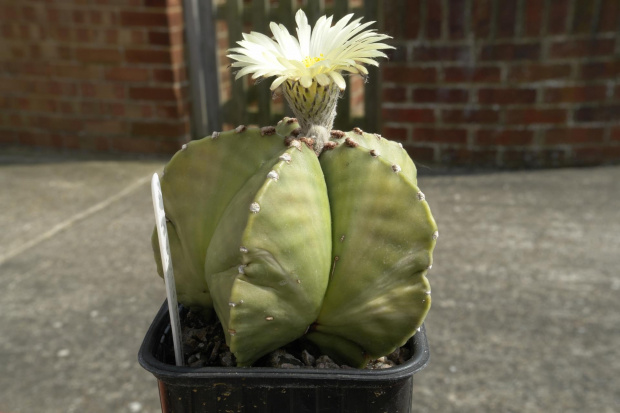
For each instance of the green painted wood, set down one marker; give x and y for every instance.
(260, 23)
(238, 110)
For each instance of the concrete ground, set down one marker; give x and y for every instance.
(526, 288)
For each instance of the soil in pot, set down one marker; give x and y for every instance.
(204, 345)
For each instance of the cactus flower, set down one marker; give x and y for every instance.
(310, 65)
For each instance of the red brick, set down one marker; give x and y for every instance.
(469, 116)
(434, 19)
(505, 96)
(158, 129)
(33, 104)
(159, 38)
(174, 111)
(102, 91)
(33, 13)
(608, 113)
(468, 157)
(144, 19)
(615, 134)
(5, 102)
(132, 37)
(481, 18)
(532, 20)
(162, 3)
(133, 111)
(569, 136)
(56, 123)
(535, 116)
(73, 71)
(396, 55)
(34, 138)
(53, 87)
(98, 55)
(506, 15)
(392, 19)
(581, 48)
(127, 74)
(504, 137)
(111, 36)
(175, 18)
(443, 135)
(405, 74)
(8, 136)
(456, 19)
(408, 115)
(511, 51)
(394, 94)
(420, 154)
(148, 56)
(584, 13)
(91, 107)
(12, 85)
(441, 53)
(395, 133)
(178, 74)
(599, 70)
(595, 155)
(445, 95)
(60, 34)
(153, 93)
(570, 94)
(535, 72)
(608, 17)
(95, 17)
(410, 18)
(557, 16)
(10, 12)
(69, 107)
(105, 127)
(79, 16)
(481, 74)
(129, 110)
(166, 38)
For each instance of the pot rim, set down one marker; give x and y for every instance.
(418, 344)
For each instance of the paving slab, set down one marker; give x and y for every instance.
(525, 285)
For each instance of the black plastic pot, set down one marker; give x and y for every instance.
(271, 390)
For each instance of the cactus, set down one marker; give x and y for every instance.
(300, 232)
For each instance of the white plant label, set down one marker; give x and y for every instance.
(166, 262)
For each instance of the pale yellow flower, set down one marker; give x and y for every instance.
(318, 54)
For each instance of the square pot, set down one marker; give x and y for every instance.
(274, 390)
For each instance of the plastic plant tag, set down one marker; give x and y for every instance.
(164, 248)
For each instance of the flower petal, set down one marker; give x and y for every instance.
(321, 52)
(278, 82)
(306, 81)
(338, 79)
(323, 79)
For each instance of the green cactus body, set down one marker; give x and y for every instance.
(280, 242)
(268, 263)
(240, 240)
(383, 235)
(197, 185)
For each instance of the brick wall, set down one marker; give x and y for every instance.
(471, 82)
(104, 75)
(508, 83)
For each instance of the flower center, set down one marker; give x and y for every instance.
(309, 61)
